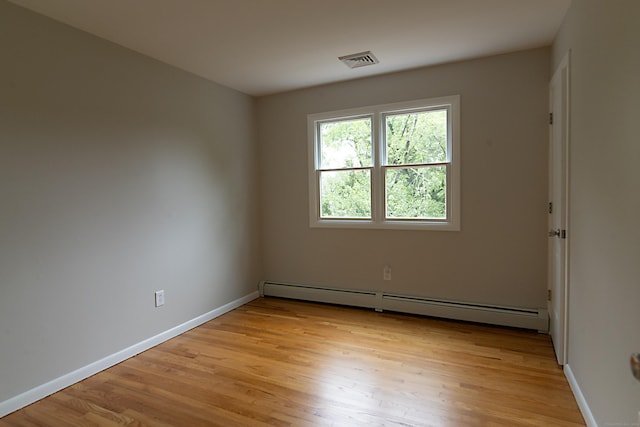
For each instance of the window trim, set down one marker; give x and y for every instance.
(377, 114)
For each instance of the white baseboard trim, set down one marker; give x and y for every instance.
(44, 390)
(577, 393)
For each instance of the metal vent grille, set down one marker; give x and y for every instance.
(361, 59)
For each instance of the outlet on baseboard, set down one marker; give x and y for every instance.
(386, 273)
(159, 298)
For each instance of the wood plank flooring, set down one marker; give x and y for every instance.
(276, 362)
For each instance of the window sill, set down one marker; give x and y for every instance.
(387, 225)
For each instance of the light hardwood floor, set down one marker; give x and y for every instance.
(276, 362)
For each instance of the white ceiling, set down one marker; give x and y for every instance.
(262, 47)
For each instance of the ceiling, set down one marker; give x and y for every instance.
(262, 47)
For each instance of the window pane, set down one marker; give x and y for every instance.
(416, 193)
(345, 194)
(414, 138)
(346, 144)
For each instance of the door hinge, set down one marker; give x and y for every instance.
(548, 294)
(550, 207)
(563, 234)
(550, 118)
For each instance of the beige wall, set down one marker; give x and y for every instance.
(499, 257)
(118, 176)
(604, 243)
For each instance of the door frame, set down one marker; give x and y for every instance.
(560, 81)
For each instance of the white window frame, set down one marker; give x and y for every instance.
(377, 114)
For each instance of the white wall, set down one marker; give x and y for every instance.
(119, 175)
(498, 257)
(604, 322)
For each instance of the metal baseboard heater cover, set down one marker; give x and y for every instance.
(527, 318)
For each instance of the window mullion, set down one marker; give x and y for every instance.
(377, 177)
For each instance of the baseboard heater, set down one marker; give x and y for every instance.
(527, 318)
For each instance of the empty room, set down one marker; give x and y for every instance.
(301, 213)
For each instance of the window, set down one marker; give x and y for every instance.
(386, 166)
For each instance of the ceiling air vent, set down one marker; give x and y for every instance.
(361, 59)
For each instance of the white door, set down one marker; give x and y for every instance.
(558, 209)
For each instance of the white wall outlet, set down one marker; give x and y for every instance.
(159, 298)
(386, 273)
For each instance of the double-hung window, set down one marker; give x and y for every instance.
(386, 166)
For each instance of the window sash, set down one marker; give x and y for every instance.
(447, 171)
(318, 139)
(385, 139)
(322, 216)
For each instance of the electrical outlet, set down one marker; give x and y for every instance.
(159, 298)
(386, 274)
